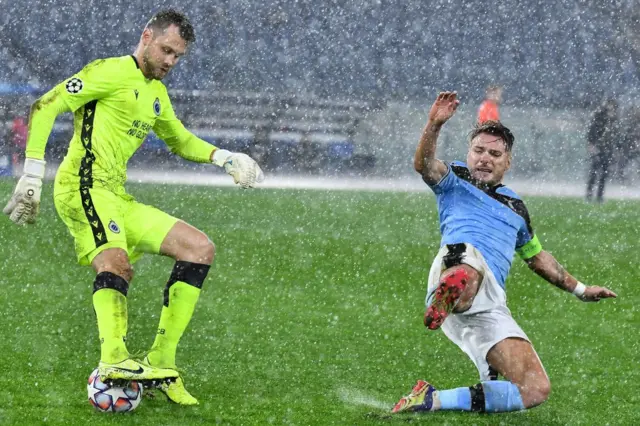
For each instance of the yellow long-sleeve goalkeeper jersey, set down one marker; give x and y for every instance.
(114, 109)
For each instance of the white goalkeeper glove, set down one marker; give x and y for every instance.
(244, 170)
(24, 204)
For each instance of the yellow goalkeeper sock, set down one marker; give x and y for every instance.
(180, 297)
(110, 305)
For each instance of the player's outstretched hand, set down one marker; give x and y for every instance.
(444, 107)
(594, 293)
(244, 170)
(24, 204)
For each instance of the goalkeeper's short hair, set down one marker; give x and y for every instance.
(166, 17)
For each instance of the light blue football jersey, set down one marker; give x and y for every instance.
(492, 219)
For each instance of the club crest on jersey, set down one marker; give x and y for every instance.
(74, 85)
(113, 227)
(156, 106)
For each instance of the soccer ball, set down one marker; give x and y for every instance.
(118, 399)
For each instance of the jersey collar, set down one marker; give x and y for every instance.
(463, 172)
(135, 61)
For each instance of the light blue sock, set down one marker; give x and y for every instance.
(455, 399)
(501, 396)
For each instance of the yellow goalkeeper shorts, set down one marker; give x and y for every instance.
(99, 219)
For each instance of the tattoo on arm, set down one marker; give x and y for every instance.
(560, 274)
(545, 265)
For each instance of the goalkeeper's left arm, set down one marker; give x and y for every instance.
(244, 170)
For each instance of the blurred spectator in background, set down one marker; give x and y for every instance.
(628, 149)
(261, 146)
(601, 142)
(19, 131)
(309, 156)
(5, 148)
(489, 108)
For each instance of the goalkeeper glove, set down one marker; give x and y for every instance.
(25, 202)
(244, 170)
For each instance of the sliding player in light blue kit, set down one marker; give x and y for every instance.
(483, 224)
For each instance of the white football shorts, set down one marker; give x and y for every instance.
(488, 321)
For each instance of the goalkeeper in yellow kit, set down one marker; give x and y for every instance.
(116, 102)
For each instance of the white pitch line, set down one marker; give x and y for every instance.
(348, 183)
(410, 183)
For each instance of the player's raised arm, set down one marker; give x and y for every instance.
(424, 161)
(545, 265)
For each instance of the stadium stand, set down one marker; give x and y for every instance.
(250, 57)
(547, 54)
(285, 132)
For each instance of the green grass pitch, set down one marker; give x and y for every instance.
(312, 314)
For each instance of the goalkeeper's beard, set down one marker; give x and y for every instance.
(153, 71)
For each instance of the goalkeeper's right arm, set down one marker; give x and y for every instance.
(43, 114)
(24, 204)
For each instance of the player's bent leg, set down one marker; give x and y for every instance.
(496, 344)
(186, 243)
(457, 288)
(193, 253)
(489, 396)
(516, 360)
(114, 260)
(486, 397)
(110, 304)
(528, 385)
